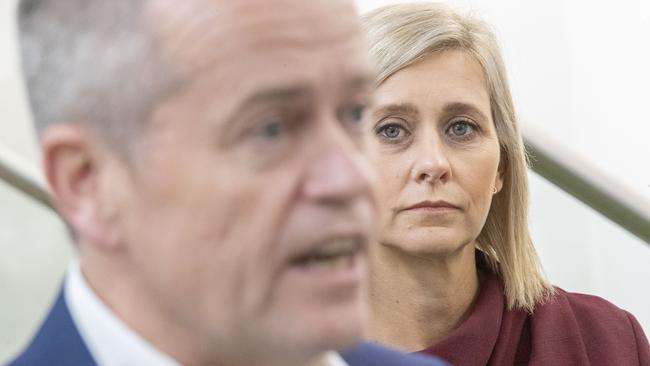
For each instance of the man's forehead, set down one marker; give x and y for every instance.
(223, 27)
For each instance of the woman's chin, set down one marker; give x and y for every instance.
(428, 244)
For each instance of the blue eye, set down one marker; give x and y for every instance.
(462, 129)
(392, 132)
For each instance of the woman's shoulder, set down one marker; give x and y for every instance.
(588, 311)
(584, 305)
(599, 325)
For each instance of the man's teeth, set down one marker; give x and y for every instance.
(334, 254)
(332, 263)
(336, 248)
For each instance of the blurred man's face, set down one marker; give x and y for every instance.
(248, 207)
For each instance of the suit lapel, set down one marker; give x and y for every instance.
(57, 342)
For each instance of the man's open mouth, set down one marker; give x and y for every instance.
(331, 254)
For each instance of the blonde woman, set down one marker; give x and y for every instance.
(455, 273)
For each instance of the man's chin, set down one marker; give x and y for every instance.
(323, 308)
(325, 326)
(339, 327)
(336, 338)
(299, 341)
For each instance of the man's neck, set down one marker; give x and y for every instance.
(415, 301)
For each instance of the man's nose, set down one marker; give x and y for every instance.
(337, 172)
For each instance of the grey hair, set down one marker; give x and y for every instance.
(93, 62)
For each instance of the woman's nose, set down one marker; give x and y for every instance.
(431, 166)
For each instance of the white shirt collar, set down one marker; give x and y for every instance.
(109, 340)
(334, 359)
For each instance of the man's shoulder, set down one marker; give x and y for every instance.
(367, 354)
(57, 342)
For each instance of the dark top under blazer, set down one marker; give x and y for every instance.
(58, 343)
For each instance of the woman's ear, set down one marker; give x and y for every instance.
(72, 160)
(501, 171)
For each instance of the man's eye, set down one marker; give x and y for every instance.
(353, 114)
(357, 112)
(270, 130)
(391, 131)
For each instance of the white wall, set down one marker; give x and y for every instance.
(579, 70)
(34, 251)
(16, 132)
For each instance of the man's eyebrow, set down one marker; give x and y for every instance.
(277, 94)
(282, 93)
(362, 82)
(397, 108)
(464, 108)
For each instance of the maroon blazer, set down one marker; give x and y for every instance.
(570, 329)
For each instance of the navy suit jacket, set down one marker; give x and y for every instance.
(58, 343)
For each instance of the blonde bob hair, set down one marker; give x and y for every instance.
(401, 35)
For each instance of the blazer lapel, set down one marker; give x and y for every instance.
(57, 342)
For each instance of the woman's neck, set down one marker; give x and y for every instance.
(417, 301)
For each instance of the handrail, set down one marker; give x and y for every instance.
(575, 176)
(22, 177)
(589, 184)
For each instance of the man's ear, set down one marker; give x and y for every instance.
(72, 159)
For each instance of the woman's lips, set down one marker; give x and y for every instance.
(433, 206)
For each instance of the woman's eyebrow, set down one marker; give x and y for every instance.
(397, 108)
(464, 108)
